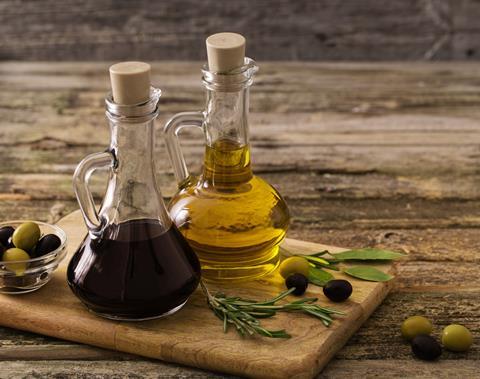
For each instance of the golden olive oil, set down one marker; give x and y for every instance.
(234, 220)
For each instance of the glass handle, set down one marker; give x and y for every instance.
(81, 178)
(171, 131)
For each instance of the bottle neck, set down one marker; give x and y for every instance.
(132, 133)
(227, 117)
(132, 191)
(227, 155)
(133, 147)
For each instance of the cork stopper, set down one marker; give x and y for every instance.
(225, 51)
(130, 82)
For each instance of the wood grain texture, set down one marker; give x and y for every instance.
(101, 369)
(194, 336)
(367, 154)
(275, 29)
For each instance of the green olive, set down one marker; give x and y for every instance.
(294, 265)
(457, 338)
(415, 325)
(26, 236)
(15, 254)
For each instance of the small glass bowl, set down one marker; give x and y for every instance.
(37, 271)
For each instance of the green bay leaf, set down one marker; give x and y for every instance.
(317, 260)
(367, 254)
(318, 276)
(319, 254)
(371, 274)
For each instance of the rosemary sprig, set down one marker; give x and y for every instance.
(244, 314)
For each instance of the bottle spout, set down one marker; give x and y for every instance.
(155, 94)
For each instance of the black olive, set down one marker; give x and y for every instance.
(2, 250)
(46, 245)
(299, 281)
(5, 235)
(338, 290)
(426, 347)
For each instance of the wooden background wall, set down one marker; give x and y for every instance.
(276, 29)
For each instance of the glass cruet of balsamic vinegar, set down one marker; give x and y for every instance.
(133, 264)
(234, 220)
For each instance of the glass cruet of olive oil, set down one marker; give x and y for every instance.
(234, 220)
(133, 264)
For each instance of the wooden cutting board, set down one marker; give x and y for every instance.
(194, 336)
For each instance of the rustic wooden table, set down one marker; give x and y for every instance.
(365, 154)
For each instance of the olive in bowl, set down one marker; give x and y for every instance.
(29, 266)
(6, 233)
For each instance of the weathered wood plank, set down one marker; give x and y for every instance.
(47, 210)
(441, 275)
(423, 245)
(382, 329)
(399, 368)
(441, 165)
(396, 368)
(101, 369)
(308, 184)
(101, 30)
(361, 89)
(337, 214)
(375, 213)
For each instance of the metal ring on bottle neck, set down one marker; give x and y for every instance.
(135, 113)
(230, 81)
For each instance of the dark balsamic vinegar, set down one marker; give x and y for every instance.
(136, 270)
